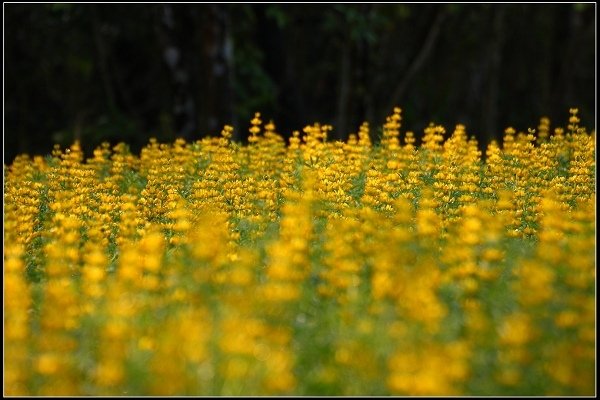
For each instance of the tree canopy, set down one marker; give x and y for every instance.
(127, 72)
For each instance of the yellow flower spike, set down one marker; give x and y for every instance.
(516, 330)
(156, 253)
(270, 127)
(48, 364)
(255, 128)
(16, 322)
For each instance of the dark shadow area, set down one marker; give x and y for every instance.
(128, 72)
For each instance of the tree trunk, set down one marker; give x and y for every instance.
(419, 59)
(341, 125)
(491, 100)
(184, 107)
(217, 67)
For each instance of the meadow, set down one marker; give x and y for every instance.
(305, 267)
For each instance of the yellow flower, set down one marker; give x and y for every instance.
(516, 330)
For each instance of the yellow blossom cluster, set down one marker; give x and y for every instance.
(372, 266)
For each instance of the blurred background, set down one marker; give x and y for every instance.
(128, 72)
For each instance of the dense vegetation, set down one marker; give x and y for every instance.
(314, 267)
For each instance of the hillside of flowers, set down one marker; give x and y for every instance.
(305, 267)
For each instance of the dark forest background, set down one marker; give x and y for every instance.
(126, 72)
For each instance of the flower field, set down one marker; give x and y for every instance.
(313, 267)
